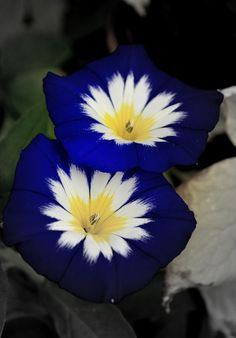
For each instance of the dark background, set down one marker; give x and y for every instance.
(194, 41)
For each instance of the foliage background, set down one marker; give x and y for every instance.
(194, 41)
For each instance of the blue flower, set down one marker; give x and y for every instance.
(122, 107)
(99, 235)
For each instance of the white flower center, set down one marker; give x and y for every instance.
(126, 116)
(98, 213)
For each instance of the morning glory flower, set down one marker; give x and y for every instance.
(122, 107)
(99, 235)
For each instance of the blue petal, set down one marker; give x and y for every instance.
(37, 163)
(93, 281)
(89, 149)
(183, 149)
(23, 217)
(42, 253)
(109, 281)
(64, 98)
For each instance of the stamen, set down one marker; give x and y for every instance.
(129, 126)
(93, 219)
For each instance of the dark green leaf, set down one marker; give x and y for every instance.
(25, 91)
(91, 319)
(27, 327)
(29, 51)
(25, 309)
(3, 299)
(146, 303)
(21, 16)
(10, 18)
(11, 258)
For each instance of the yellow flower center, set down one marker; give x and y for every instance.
(95, 217)
(128, 125)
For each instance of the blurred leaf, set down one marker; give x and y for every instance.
(25, 308)
(221, 304)
(33, 122)
(88, 319)
(8, 122)
(145, 310)
(176, 176)
(11, 13)
(18, 16)
(23, 295)
(209, 258)
(146, 303)
(31, 50)
(11, 258)
(3, 299)
(220, 126)
(25, 91)
(27, 327)
(140, 6)
(46, 15)
(229, 111)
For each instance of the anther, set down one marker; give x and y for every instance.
(129, 127)
(93, 219)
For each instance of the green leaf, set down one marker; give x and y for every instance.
(25, 91)
(85, 319)
(26, 314)
(146, 303)
(30, 50)
(3, 299)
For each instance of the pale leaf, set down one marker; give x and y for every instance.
(210, 256)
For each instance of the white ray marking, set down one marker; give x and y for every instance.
(158, 103)
(109, 136)
(162, 132)
(60, 226)
(147, 143)
(103, 101)
(167, 111)
(58, 193)
(100, 128)
(57, 212)
(98, 183)
(66, 182)
(133, 233)
(91, 249)
(105, 249)
(119, 245)
(134, 209)
(135, 222)
(116, 90)
(89, 111)
(123, 192)
(129, 89)
(120, 141)
(79, 182)
(114, 183)
(165, 121)
(141, 94)
(69, 239)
